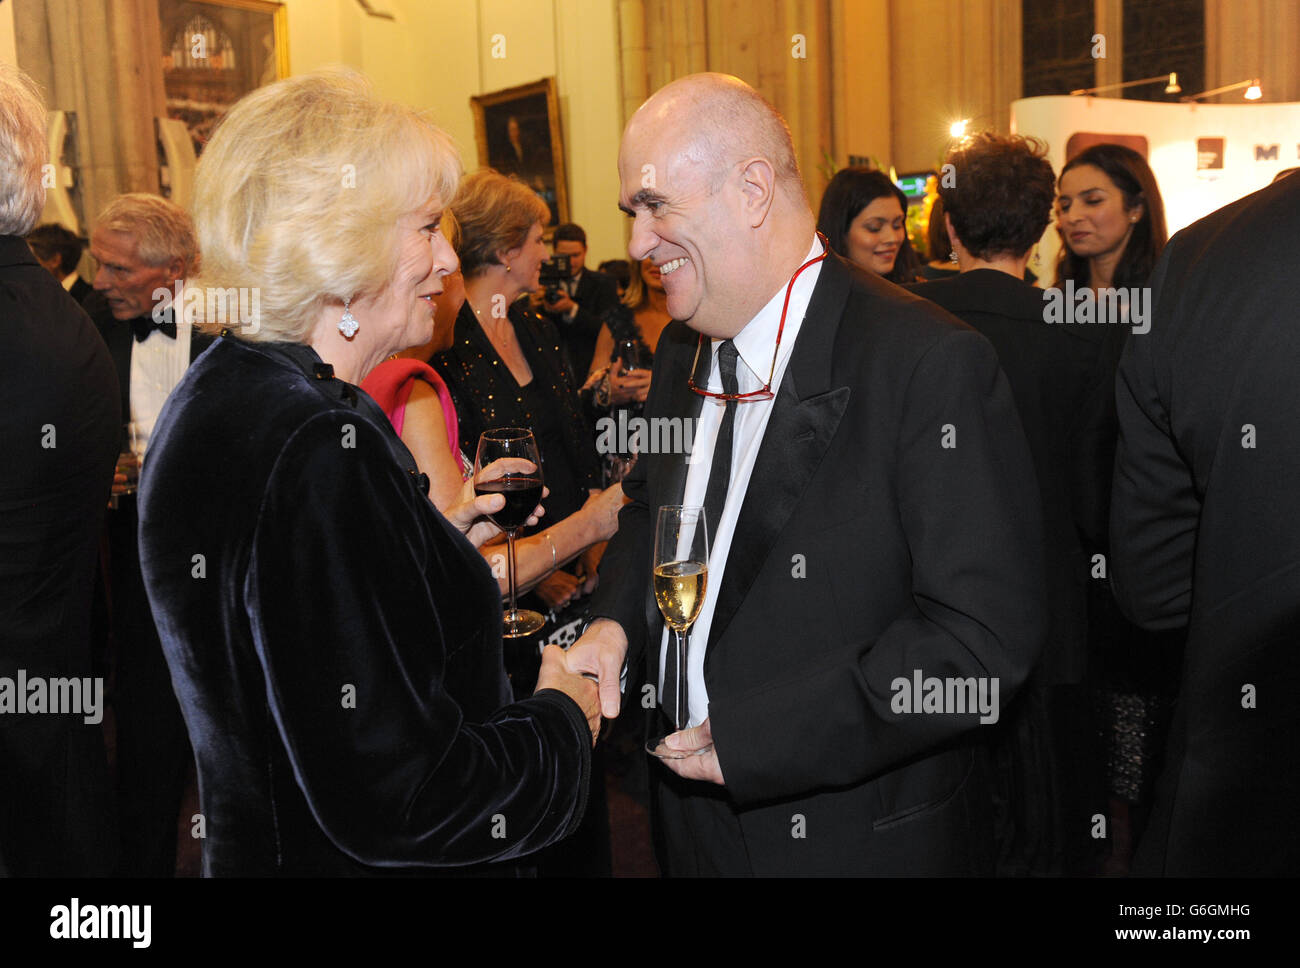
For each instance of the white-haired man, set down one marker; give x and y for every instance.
(143, 245)
(59, 431)
(861, 463)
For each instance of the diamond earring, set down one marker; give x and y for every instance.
(348, 325)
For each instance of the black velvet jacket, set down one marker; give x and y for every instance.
(334, 642)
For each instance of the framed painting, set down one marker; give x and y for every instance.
(216, 51)
(518, 133)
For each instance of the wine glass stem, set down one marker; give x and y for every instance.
(510, 566)
(683, 713)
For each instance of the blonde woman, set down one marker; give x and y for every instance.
(333, 639)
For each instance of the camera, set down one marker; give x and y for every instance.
(555, 271)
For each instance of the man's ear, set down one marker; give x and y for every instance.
(952, 236)
(758, 185)
(176, 268)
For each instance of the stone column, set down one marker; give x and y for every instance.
(103, 60)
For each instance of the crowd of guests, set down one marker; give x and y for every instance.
(268, 539)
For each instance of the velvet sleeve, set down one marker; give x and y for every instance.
(977, 588)
(350, 620)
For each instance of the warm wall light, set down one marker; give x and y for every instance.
(1253, 91)
(1171, 84)
(958, 128)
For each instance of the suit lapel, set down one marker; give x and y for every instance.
(805, 416)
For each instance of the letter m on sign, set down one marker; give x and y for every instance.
(1266, 152)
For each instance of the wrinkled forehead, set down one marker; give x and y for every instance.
(120, 245)
(664, 161)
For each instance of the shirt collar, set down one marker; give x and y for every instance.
(754, 343)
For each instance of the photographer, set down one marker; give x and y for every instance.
(576, 299)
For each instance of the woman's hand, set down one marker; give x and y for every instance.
(469, 516)
(625, 387)
(558, 589)
(602, 509)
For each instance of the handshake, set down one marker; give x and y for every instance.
(589, 673)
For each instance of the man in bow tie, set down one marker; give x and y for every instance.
(142, 244)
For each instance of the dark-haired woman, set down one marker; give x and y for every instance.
(1112, 223)
(864, 217)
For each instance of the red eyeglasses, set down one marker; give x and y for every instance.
(765, 393)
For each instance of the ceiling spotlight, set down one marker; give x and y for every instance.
(1253, 90)
(1170, 81)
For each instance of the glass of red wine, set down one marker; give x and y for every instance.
(523, 492)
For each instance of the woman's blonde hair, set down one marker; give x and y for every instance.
(299, 192)
(495, 215)
(635, 296)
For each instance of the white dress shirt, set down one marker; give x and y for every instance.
(157, 365)
(754, 344)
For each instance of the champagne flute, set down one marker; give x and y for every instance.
(522, 491)
(681, 575)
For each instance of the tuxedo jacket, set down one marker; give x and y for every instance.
(1057, 375)
(1204, 532)
(596, 296)
(889, 528)
(59, 427)
(120, 340)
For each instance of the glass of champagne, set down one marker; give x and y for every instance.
(681, 575)
(522, 491)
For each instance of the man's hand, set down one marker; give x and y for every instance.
(562, 305)
(601, 652)
(555, 674)
(705, 766)
(126, 474)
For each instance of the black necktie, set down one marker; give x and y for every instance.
(720, 473)
(142, 326)
(715, 496)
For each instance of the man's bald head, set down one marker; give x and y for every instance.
(716, 121)
(707, 174)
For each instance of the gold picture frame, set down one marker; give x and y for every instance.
(518, 133)
(216, 51)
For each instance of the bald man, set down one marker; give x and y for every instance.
(874, 582)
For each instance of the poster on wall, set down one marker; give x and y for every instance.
(216, 51)
(518, 133)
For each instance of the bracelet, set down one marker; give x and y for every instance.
(603, 393)
(547, 536)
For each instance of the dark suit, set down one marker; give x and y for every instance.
(1048, 765)
(596, 295)
(1204, 532)
(865, 550)
(153, 750)
(59, 427)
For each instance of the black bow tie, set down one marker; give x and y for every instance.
(142, 326)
